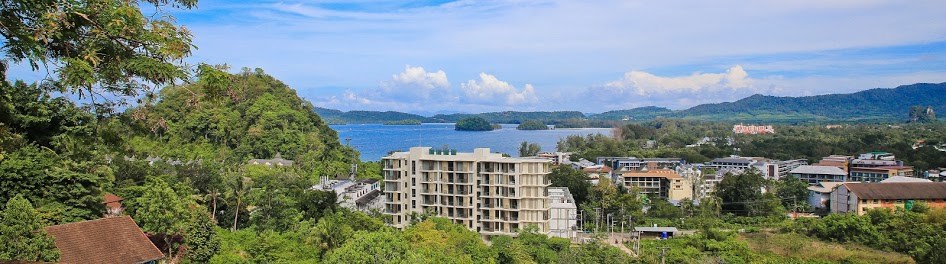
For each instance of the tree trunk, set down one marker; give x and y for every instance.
(213, 215)
(236, 213)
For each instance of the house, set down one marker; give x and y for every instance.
(819, 196)
(275, 161)
(362, 195)
(860, 197)
(817, 174)
(113, 205)
(556, 157)
(776, 169)
(635, 164)
(105, 240)
(877, 174)
(840, 161)
(597, 172)
(752, 130)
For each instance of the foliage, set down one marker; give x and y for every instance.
(98, 47)
(640, 113)
(22, 233)
(403, 122)
(793, 192)
(513, 117)
(919, 114)
(606, 199)
(741, 194)
(200, 236)
(158, 212)
(532, 125)
(661, 208)
(473, 123)
(372, 247)
(527, 149)
(368, 117)
(575, 180)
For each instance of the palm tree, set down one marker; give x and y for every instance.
(240, 186)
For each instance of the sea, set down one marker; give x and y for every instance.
(374, 141)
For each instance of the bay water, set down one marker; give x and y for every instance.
(374, 141)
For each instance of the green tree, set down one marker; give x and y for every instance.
(527, 149)
(200, 236)
(575, 180)
(371, 247)
(22, 233)
(532, 125)
(793, 192)
(96, 47)
(661, 208)
(159, 212)
(739, 192)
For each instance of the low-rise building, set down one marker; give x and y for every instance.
(840, 161)
(362, 195)
(563, 213)
(636, 164)
(814, 175)
(877, 174)
(275, 161)
(819, 196)
(556, 157)
(665, 184)
(860, 197)
(597, 172)
(752, 130)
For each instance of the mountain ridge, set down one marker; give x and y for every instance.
(873, 105)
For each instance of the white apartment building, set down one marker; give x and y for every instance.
(486, 192)
(563, 211)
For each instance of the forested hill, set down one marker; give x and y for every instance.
(232, 118)
(364, 117)
(869, 105)
(640, 113)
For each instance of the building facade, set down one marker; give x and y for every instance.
(486, 192)
(860, 197)
(666, 184)
(877, 174)
(563, 213)
(814, 175)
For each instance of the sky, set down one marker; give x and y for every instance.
(432, 57)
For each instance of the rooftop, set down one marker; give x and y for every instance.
(904, 179)
(899, 190)
(106, 240)
(822, 170)
(653, 173)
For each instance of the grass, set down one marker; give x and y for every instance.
(804, 248)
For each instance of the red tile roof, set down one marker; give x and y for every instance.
(899, 190)
(113, 201)
(106, 240)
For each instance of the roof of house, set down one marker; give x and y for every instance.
(899, 190)
(106, 240)
(112, 201)
(904, 179)
(595, 169)
(732, 160)
(814, 169)
(883, 168)
(826, 186)
(653, 173)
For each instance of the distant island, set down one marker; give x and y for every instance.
(532, 125)
(402, 122)
(474, 123)
(874, 105)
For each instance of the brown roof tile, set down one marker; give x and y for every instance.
(106, 240)
(899, 190)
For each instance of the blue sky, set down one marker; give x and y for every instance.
(592, 56)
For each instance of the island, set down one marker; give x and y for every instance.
(403, 122)
(532, 125)
(473, 123)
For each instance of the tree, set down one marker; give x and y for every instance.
(661, 208)
(108, 45)
(371, 247)
(739, 192)
(527, 149)
(793, 192)
(22, 233)
(200, 236)
(159, 211)
(575, 180)
(532, 125)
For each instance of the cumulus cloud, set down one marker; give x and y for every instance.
(489, 89)
(416, 83)
(644, 83)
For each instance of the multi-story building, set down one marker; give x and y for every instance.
(814, 175)
(840, 161)
(860, 197)
(734, 162)
(486, 192)
(636, 164)
(877, 174)
(665, 184)
(776, 169)
(563, 213)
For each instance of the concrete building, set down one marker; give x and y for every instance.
(275, 161)
(814, 175)
(556, 157)
(819, 196)
(776, 169)
(486, 192)
(665, 184)
(732, 162)
(362, 195)
(752, 130)
(636, 164)
(840, 161)
(563, 213)
(877, 174)
(595, 173)
(860, 197)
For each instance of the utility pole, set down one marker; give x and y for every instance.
(663, 254)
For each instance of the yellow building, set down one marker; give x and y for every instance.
(665, 184)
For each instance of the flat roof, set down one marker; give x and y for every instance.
(655, 229)
(815, 169)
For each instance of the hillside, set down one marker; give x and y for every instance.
(366, 117)
(869, 105)
(256, 116)
(640, 113)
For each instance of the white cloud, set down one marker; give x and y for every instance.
(645, 84)
(417, 83)
(489, 89)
